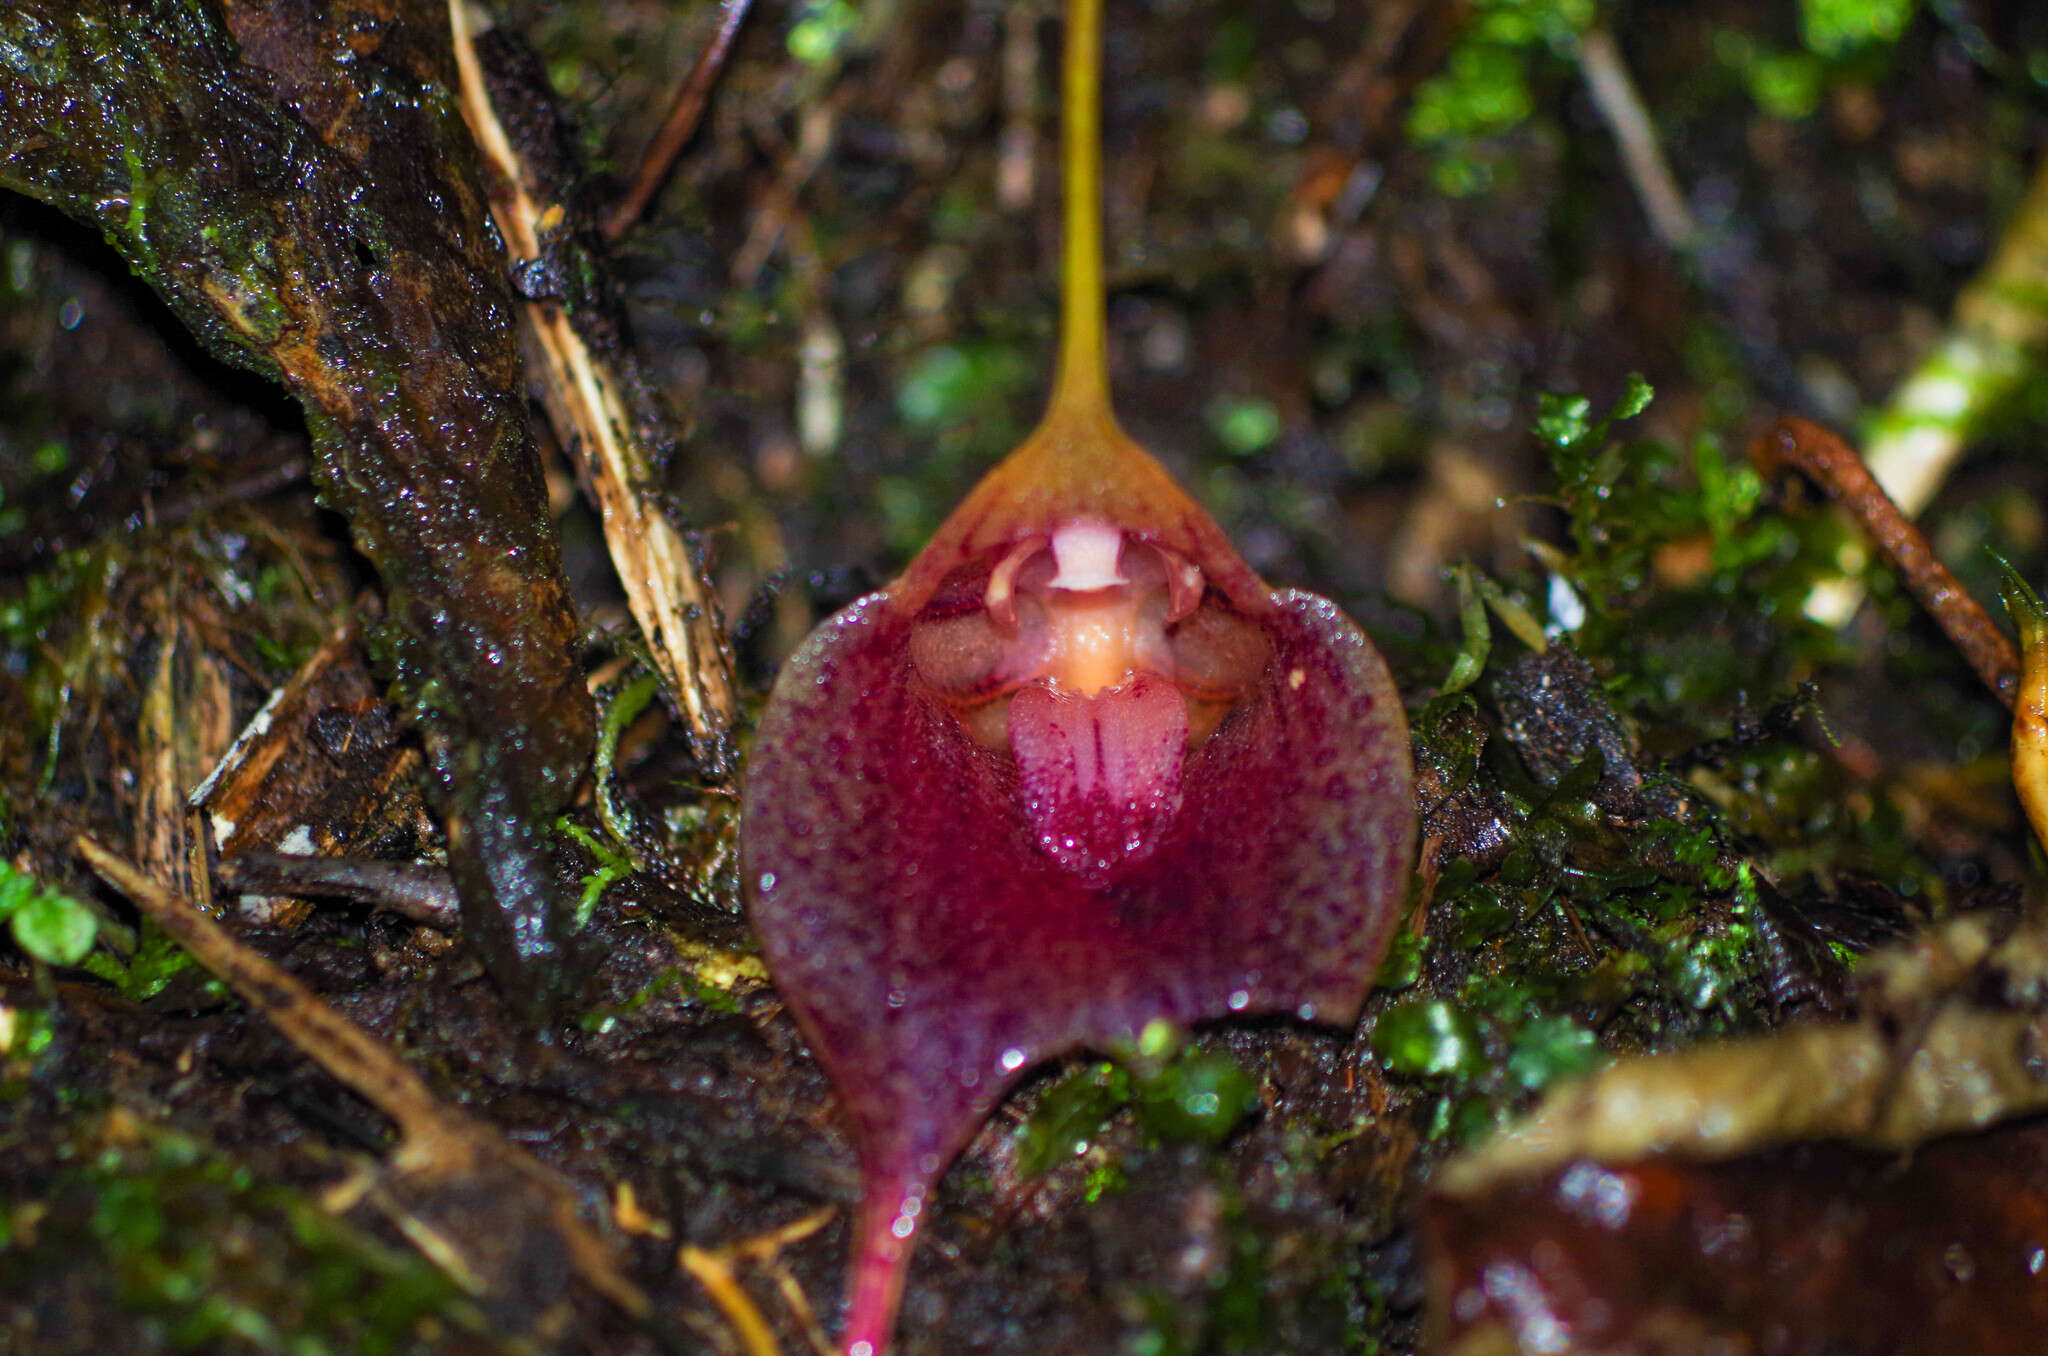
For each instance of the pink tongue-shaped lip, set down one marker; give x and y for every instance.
(1100, 775)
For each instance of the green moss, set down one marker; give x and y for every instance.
(1234, 1315)
(1177, 1095)
(1071, 1115)
(1621, 912)
(1485, 88)
(156, 961)
(202, 1255)
(1199, 1098)
(1833, 28)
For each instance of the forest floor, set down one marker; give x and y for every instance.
(1361, 258)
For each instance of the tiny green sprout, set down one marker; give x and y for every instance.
(1835, 28)
(1786, 85)
(157, 960)
(612, 866)
(821, 31)
(620, 712)
(1563, 419)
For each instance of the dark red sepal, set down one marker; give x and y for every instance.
(933, 952)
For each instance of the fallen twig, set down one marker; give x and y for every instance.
(439, 1148)
(1614, 94)
(1823, 457)
(683, 116)
(419, 891)
(714, 1270)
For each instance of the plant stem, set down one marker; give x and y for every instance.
(1081, 382)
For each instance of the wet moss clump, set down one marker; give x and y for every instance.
(1620, 781)
(197, 1253)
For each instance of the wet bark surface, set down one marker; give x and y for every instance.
(302, 195)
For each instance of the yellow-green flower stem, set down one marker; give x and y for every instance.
(1081, 382)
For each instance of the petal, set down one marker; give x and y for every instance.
(1100, 774)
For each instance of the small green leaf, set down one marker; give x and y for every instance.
(1562, 419)
(1200, 1098)
(55, 929)
(16, 889)
(1636, 395)
(1244, 427)
(1786, 85)
(1478, 642)
(1834, 28)
(156, 962)
(821, 30)
(1427, 1036)
(938, 388)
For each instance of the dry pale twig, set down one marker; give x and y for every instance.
(1614, 94)
(673, 604)
(1929, 1057)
